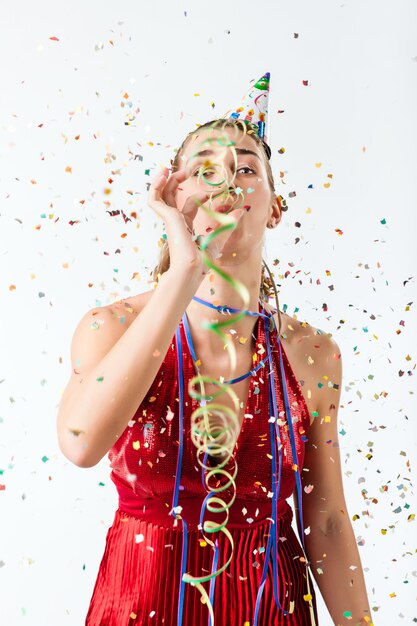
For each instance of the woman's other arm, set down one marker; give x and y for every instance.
(330, 544)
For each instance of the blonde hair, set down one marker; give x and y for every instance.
(266, 290)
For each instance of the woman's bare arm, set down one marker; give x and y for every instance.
(111, 374)
(330, 543)
(112, 370)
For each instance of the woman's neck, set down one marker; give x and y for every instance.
(218, 291)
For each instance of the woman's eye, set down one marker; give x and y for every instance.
(203, 172)
(245, 167)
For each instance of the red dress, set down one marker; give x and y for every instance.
(140, 573)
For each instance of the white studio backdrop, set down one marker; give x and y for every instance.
(94, 92)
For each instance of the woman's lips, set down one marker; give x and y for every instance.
(223, 208)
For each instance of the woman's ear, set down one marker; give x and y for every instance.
(275, 213)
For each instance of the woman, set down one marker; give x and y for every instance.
(124, 398)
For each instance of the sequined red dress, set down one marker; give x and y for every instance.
(140, 571)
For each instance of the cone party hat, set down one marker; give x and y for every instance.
(254, 107)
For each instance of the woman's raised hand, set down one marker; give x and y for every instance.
(183, 244)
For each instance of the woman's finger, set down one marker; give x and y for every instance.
(191, 206)
(156, 186)
(171, 187)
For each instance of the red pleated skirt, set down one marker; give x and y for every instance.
(140, 573)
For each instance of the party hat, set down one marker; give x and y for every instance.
(254, 107)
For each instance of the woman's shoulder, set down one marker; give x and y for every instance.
(125, 310)
(309, 350)
(293, 330)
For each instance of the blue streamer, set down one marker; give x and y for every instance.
(178, 476)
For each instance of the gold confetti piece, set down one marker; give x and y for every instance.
(318, 164)
(393, 595)
(152, 399)
(243, 340)
(327, 185)
(136, 445)
(133, 615)
(261, 350)
(327, 418)
(307, 597)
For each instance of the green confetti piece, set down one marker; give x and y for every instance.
(101, 484)
(44, 459)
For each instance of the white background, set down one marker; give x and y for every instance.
(347, 254)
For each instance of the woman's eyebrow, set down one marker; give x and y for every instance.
(203, 153)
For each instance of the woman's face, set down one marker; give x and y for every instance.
(235, 176)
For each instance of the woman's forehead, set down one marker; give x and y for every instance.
(208, 139)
